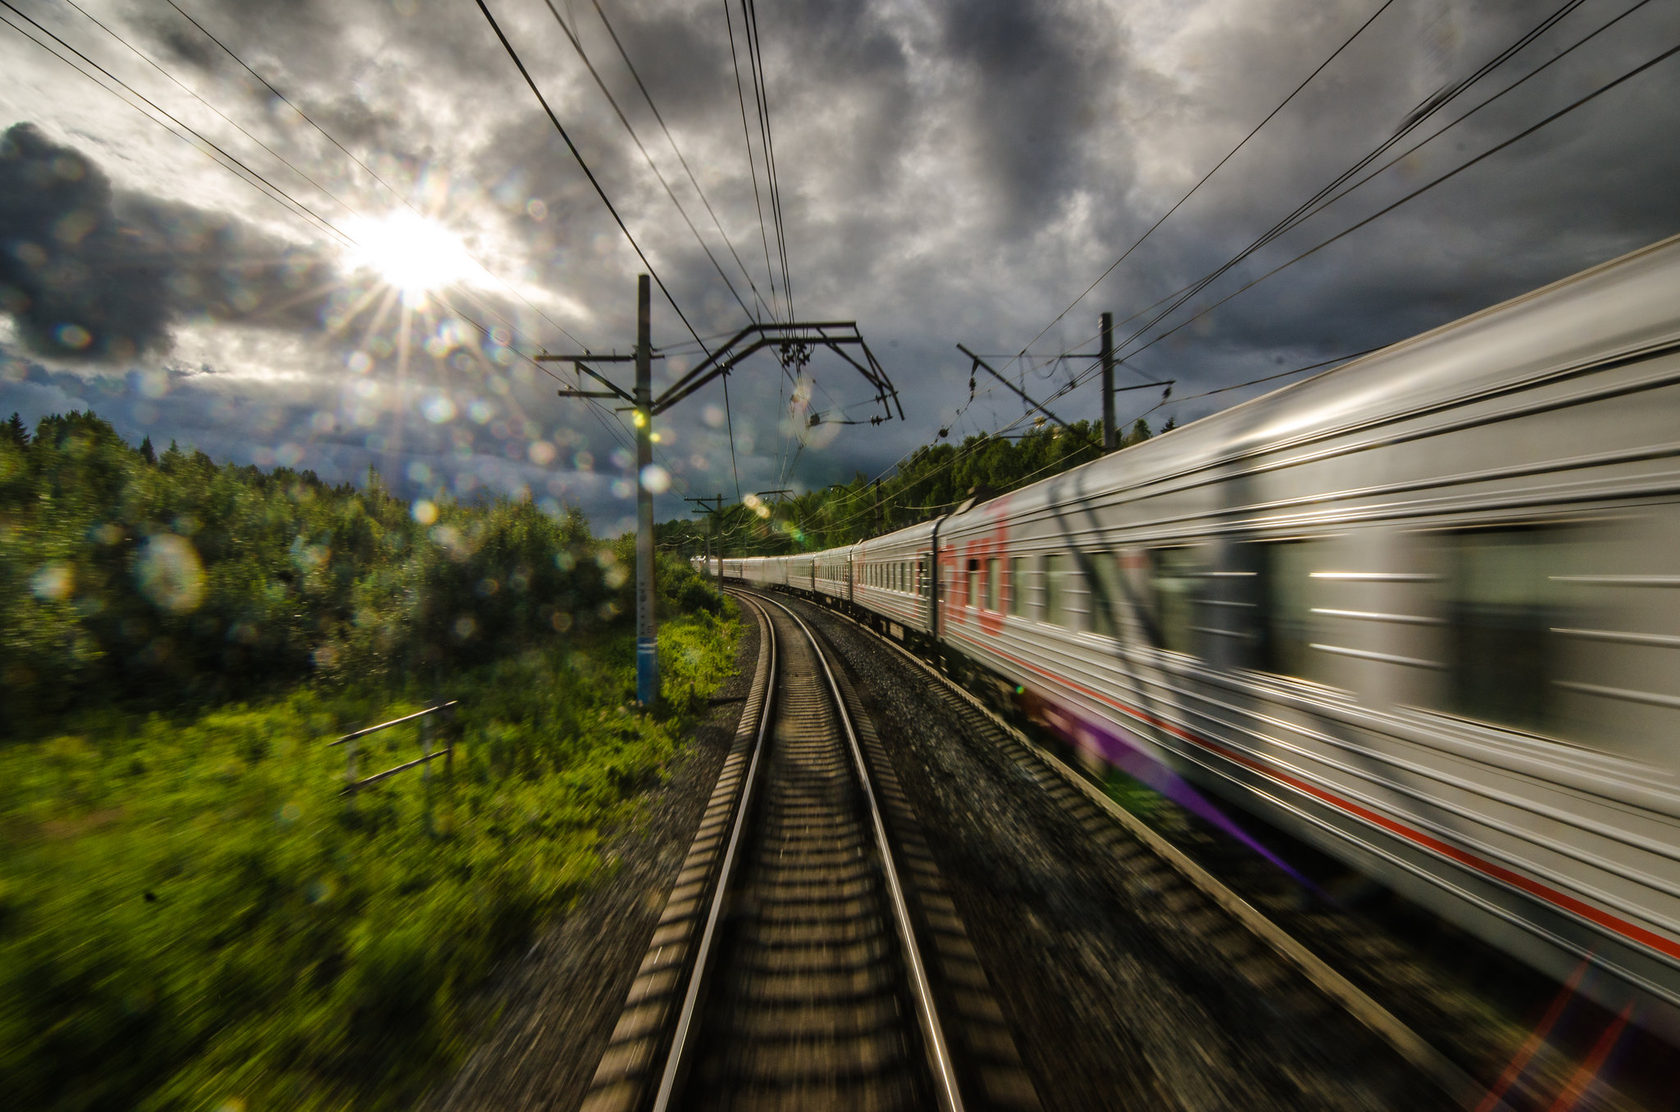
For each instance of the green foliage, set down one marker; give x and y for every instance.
(192, 917)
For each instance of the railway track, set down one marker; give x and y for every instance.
(803, 960)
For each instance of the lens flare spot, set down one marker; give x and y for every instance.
(170, 574)
(73, 336)
(542, 453)
(53, 582)
(438, 409)
(656, 478)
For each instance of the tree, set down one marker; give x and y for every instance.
(16, 431)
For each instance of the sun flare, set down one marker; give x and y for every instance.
(409, 252)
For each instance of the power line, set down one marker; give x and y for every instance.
(1229, 155)
(590, 174)
(1317, 202)
(648, 158)
(584, 166)
(244, 172)
(761, 87)
(678, 152)
(221, 156)
(752, 168)
(282, 159)
(1560, 113)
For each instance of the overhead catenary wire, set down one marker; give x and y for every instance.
(1326, 197)
(1372, 18)
(1323, 197)
(1454, 172)
(761, 86)
(1307, 208)
(583, 164)
(981, 440)
(577, 47)
(657, 115)
(752, 168)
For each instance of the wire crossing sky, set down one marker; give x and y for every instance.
(331, 236)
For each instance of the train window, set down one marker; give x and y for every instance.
(921, 577)
(1102, 571)
(1503, 603)
(1057, 574)
(1281, 585)
(1173, 579)
(1018, 585)
(993, 567)
(974, 584)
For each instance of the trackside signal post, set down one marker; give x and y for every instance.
(793, 339)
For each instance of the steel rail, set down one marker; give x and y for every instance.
(932, 1032)
(674, 1060)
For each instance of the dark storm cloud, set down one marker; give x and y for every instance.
(90, 273)
(1037, 75)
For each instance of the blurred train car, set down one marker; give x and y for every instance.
(1422, 611)
(893, 578)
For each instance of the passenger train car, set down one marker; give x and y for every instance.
(1422, 610)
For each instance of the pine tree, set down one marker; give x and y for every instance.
(146, 451)
(16, 431)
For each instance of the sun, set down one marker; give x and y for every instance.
(409, 252)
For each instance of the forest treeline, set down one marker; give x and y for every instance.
(129, 574)
(934, 479)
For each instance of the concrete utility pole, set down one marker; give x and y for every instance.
(647, 626)
(787, 336)
(1111, 435)
(1108, 381)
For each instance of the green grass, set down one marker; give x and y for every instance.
(191, 917)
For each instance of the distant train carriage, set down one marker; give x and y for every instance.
(894, 578)
(832, 574)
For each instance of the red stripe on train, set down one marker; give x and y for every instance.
(1632, 931)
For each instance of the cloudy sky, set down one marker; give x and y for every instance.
(328, 234)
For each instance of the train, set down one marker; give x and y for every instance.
(1421, 611)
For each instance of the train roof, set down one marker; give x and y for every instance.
(1626, 305)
